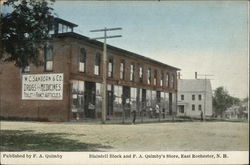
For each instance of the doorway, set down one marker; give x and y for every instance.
(181, 109)
(170, 103)
(90, 110)
(126, 100)
(110, 100)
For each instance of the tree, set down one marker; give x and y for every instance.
(245, 100)
(222, 100)
(24, 31)
(243, 108)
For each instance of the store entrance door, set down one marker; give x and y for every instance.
(126, 100)
(110, 100)
(90, 111)
(170, 104)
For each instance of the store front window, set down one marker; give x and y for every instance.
(90, 99)
(154, 98)
(98, 101)
(166, 103)
(117, 105)
(133, 95)
(77, 105)
(110, 100)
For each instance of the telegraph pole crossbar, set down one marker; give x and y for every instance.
(104, 76)
(105, 29)
(99, 38)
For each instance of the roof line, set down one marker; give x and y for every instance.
(66, 22)
(128, 53)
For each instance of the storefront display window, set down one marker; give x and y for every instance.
(117, 99)
(77, 105)
(154, 98)
(98, 101)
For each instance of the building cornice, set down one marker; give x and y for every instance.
(100, 44)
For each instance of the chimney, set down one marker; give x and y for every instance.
(195, 75)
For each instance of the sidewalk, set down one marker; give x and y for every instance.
(139, 120)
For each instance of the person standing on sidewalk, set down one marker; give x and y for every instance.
(133, 110)
(126, 109)
(157, 111)
(201, 115)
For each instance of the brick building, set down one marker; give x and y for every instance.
(130, 77)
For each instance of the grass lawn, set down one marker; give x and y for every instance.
(178, 136)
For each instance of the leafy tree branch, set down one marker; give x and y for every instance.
(25, 30)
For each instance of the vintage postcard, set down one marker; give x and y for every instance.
(124, 82)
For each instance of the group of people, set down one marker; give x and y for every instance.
(130, 107)
(154, 112)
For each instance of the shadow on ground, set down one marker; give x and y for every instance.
(28, 140)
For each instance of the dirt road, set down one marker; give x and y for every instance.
(181, 136)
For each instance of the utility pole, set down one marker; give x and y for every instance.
(205, 94)
(104, 66)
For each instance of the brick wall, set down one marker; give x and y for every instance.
(11, 103)
(91, 51)
(66, 61)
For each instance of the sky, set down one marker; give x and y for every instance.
(208, 37)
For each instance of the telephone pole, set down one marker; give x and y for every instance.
(205, 93)
(104, 66)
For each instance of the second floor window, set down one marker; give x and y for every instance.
(110, 67)
(122, 69)
(155, 77)
(26, 69)
(162, 76)
(97, 64)
(200, 98)
(149, 76)
(172, 81)
(182, 97)
(132, 74)
(140, 74)
(48, 58)
(82, 60)
(167, 80)
(193, 97)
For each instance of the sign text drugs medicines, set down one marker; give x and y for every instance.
(42, 86)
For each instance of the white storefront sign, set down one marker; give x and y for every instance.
(42, 86)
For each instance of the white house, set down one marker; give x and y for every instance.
(194, 97)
